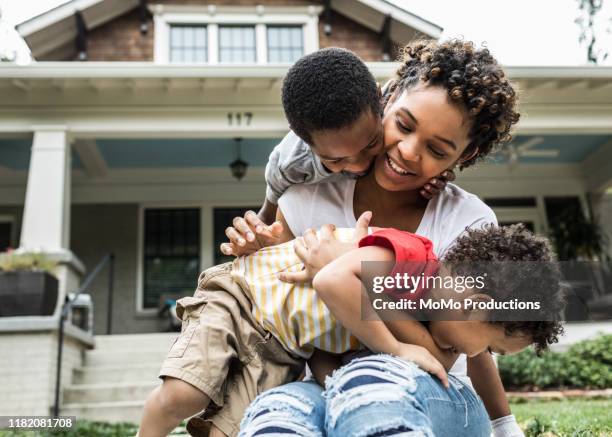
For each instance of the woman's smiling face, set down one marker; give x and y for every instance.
(424, 135)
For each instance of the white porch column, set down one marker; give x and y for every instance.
(46, 214)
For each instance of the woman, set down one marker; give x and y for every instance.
(450, 104)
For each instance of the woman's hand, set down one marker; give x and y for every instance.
(250, 234)
(316, 252)
(437, 184)
(422, 358)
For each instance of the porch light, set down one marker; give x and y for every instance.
(238, 166)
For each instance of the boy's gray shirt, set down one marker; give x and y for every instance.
(292, 162)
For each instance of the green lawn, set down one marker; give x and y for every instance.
(583, 418)
(575, 418)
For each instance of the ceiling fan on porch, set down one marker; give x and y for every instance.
(524, 150)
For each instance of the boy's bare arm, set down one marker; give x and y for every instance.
(347, 300)
(267, 213)
(339, 285)
(414, 332)
(487, 383)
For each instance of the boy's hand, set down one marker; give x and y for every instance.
(437, 184)
(317, 252)
(250, 234)
(423, 358)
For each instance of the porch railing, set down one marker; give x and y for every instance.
(110, 260)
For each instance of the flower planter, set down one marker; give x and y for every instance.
(26, 293)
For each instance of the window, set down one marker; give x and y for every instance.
(171, 253)
(237, 44)
(222, 218)
(5, 235)
(285, 43)
(256, 34)
(188, 44)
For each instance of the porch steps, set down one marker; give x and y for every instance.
(116, 377)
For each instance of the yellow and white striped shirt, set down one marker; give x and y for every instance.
(293, 313)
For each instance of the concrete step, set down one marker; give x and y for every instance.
(116, 374)
(88, 393)
(96, 358)
(161, 340)
(112, 412)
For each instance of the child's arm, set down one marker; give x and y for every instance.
(339, 285)
(250, 234)
(267, 213)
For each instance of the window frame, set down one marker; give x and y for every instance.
(207, 240)
(237, 26)
(281, 26)
(211, 16)
(142, 255)
(183, 48)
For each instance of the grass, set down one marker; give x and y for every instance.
(546, 418)
(575, 417)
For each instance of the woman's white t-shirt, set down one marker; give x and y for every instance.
(446, 217)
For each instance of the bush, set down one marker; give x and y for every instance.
(12, 261)
(587, 364)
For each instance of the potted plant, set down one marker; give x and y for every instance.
(27, 284)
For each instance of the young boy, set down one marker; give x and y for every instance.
(333, 106)
(252, 331)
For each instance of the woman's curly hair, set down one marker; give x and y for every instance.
(473, 79)
(517, 265)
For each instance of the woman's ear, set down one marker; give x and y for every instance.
(472, 310)
(468, 156)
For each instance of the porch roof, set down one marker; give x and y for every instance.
(20, 76)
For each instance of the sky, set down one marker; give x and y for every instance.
(518, 32)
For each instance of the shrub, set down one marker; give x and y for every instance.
(28, 261)
(587, 364)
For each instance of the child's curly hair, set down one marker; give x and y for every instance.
(473, 79)
(518, 265)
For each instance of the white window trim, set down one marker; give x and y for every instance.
(212, 16)
(140, 310)
(207, 236)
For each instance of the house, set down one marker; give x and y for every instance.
(120, 138)
(141, 107)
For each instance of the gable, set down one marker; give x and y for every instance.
(114, 27)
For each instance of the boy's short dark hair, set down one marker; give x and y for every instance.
(328, 89)
(518, 265)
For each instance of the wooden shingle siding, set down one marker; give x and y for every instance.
(121, 40)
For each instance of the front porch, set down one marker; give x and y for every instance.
(133, 159)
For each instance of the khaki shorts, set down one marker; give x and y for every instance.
(222, 351)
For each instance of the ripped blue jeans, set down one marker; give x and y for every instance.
(375, 396)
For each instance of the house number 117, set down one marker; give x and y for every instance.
(239, 118)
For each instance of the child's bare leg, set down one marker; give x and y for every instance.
(216, 432)
(168, 405)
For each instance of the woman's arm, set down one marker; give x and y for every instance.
(339, 285)
(322, 364)
(485, 377)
